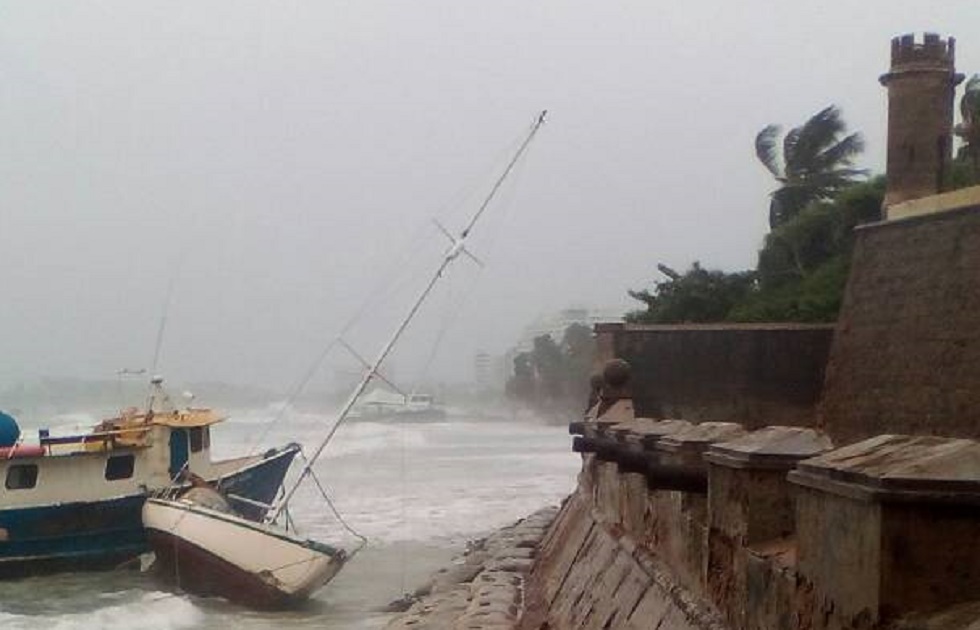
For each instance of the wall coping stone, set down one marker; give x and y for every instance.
(601, 327)
(772, 448)
(898, 468)
(696, 439)
(921, 217)
(647, 433)
(943, 202)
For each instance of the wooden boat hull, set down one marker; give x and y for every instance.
(104, 533)
(215, 554)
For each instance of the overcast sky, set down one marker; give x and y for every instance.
(281, 161)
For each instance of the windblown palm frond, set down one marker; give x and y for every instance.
(841, 153)
(816, 162)
(765, 150)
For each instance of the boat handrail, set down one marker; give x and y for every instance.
(93, 437)
(240, 499)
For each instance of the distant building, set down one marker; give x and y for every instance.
(482, 370)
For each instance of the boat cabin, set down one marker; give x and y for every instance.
(121, 456)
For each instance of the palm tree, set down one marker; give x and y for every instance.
(816, 162)
(969, 129)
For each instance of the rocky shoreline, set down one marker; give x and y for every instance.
(484, 588)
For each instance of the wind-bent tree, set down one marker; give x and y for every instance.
(969, 129)
(697, 295)
(814, 163)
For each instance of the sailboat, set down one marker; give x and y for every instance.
(208, 549)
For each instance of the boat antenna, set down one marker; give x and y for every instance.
(164, 316)
(457, 247)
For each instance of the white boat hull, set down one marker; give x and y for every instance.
(212, 553)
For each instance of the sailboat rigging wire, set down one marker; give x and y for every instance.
(458, 245)
(453, 313)
(503, 176)
(294, 394)
(336, 513)
(167, 303)
(381, 289)
(375, 295)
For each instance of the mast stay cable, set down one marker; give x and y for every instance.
(457, 247)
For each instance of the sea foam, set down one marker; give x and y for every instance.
(151, 611)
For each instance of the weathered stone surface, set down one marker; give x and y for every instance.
(604, 583)
(485, 590)
(770, 447)
(687, 447)
(962, 617)
(889, 526)
(750, 508)
(770, 587)
(755, 374)
(921, 84)
(906, 357)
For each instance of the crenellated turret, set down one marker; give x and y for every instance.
(921, 86)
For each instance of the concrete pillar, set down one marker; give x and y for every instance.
(885, 527)
(634, 454)
(678, 497)
(751, 523)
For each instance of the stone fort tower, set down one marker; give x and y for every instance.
(921, 87)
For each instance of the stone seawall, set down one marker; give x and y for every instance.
(754, 374)
(484, 589)
(709, 526)
(590, 575)
(680, 526)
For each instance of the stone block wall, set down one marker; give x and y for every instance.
(791, 533)
(906, 357)
(754, 374)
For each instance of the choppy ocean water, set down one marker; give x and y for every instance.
(417, 491)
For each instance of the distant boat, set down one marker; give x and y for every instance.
(206, 548)
(74, 502)
(382, 405)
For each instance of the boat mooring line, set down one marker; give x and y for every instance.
(334, 509)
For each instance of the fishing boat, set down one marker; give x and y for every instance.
(74, 502)
(203, 546)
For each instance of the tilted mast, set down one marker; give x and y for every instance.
(458, 247)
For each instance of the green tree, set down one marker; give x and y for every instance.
(552, 378)
(804, 263)
(969, 128)
(820, 232)
(578, 347)
(549, 366)
(697, 295)
(814, 163)
(520, 385)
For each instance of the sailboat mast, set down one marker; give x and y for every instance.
(457, 248)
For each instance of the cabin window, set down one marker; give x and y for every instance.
(21, 476)
(119, 467)
(199, 439)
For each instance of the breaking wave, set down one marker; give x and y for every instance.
(151, 611)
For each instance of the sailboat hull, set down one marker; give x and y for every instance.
(211, 553)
